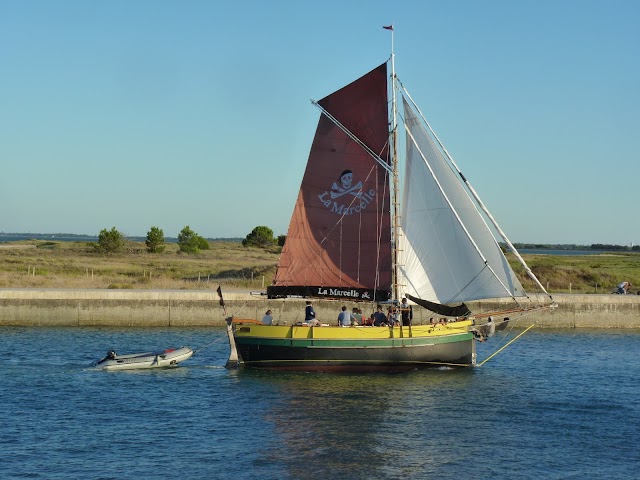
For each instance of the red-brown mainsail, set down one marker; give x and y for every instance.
(339, 235)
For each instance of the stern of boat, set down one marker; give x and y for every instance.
(234, 359)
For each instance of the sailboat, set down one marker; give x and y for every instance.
(359, 234)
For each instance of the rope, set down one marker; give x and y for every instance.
(221, 338)
(238, 310)
(209, 344)
(513, 322)
(506, 345)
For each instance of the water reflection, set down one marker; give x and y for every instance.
(330, 423)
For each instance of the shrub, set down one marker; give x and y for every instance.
(110, 241)
(259, 237)
(155, 240)
(190, 242)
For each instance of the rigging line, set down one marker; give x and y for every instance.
(359, 245)
(480, 202)
(461, 290)
(510, 327)
(505, 346)
(455, 213)
(378, 242)
(379, 218)
(360, 227)
(503, 335)
(238, 310)
(340, 236)
(209, 344)
(375, 156)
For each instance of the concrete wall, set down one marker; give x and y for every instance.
(146, 308)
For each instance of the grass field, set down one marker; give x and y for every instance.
(43, 264)
(598, 273)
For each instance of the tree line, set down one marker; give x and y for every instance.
(112, 241)
(594, 246)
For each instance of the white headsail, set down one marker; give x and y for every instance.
(449, 254)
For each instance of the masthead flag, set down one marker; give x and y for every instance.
(388, 27)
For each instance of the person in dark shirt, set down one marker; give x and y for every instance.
(379, 318)
(310, 315)
(406, 312)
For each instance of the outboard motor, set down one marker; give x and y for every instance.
(111, 355)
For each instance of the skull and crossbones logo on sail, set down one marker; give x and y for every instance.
(345, 196)
(345, 187)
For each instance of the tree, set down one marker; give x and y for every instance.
(110, 241)
(281, 240)
(155, 240)
(259, 237)
(190, 242)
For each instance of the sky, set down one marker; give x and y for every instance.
(132, 114)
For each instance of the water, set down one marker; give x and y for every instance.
(554, 405)
(57, 237)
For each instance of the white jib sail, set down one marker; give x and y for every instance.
(449, 254)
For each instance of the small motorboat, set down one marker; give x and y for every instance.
(134, 361)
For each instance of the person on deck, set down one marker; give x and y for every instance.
(379, 318)
(267, 319)
(344, 318)
(393, 317)
(310, 315)
(406, 313)
(356, 316)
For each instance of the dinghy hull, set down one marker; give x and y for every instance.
(137, 361)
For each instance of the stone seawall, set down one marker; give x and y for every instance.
(189, 308)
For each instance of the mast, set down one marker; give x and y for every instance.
(395, 216)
